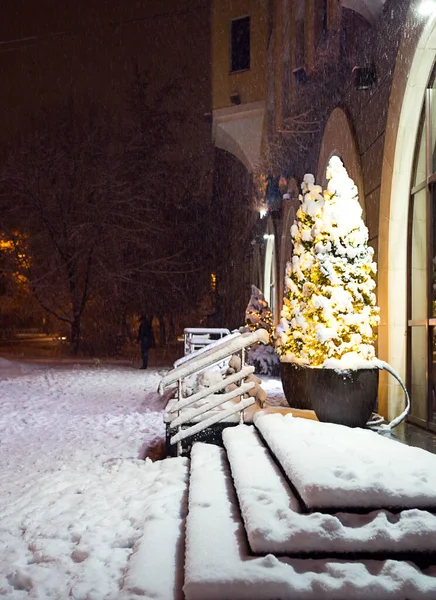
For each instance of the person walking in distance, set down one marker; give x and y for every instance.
(145, 338)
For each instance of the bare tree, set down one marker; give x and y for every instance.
(92, 227)
(60, 192)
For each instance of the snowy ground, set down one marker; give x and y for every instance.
(79, 507)
(72, 485)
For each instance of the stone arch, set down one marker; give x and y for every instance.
(414, 66)
(339, 139)
(369, 9)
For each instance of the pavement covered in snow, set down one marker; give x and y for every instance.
(83, 516)
(74, 488)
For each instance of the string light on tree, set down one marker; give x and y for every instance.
(258, 315)
(329, 308)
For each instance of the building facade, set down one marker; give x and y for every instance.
(353, 78)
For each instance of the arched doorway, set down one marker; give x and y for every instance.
(270, 270)
(339, 140)
(406, 228)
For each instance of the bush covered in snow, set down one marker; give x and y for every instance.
(264, 359)
(329, 307)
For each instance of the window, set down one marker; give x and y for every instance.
(422, 272)
(240, 44)
(320, 25)
(300, 35)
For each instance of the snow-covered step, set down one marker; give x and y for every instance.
(275, 523)
(155, 569)
(218, 565)
(338, 468)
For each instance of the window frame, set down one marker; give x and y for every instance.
(428, 183)
(231, 45)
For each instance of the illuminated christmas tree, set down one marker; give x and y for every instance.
(329, 309)
(258, 315)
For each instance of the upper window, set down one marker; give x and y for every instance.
(300, 35)
(320, 21)
(240, 44)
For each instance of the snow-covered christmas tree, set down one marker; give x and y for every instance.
(329, 309)
(258, 315)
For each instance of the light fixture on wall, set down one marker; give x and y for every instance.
(300, 75)
(364, 78)
(427, 8)
(235, 98)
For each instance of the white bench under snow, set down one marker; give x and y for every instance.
(218, 565)
(336, 467)
(274, 521)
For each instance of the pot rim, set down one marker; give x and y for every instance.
(322, 368)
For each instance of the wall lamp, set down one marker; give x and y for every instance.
(364, 78)
(300, 75)
(427, 8)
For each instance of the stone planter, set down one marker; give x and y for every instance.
(344, 397)
(294, 381)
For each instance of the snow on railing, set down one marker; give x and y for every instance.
(214, 400)
(217, 387)
(184, 433)
(212, 356)
(225, 348)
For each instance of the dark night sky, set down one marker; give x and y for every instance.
(94, 55)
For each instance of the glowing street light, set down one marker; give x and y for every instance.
(427, 8)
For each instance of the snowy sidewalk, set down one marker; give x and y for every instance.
(82, 516)
(74, 490)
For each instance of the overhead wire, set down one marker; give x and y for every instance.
(30, 41)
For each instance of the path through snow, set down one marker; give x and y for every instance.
(72, 487)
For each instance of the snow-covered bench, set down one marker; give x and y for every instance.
(189, 415)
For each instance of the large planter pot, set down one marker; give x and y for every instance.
(343, 397)
(294, 381)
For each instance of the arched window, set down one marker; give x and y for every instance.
(369, 9)
(421, 340)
